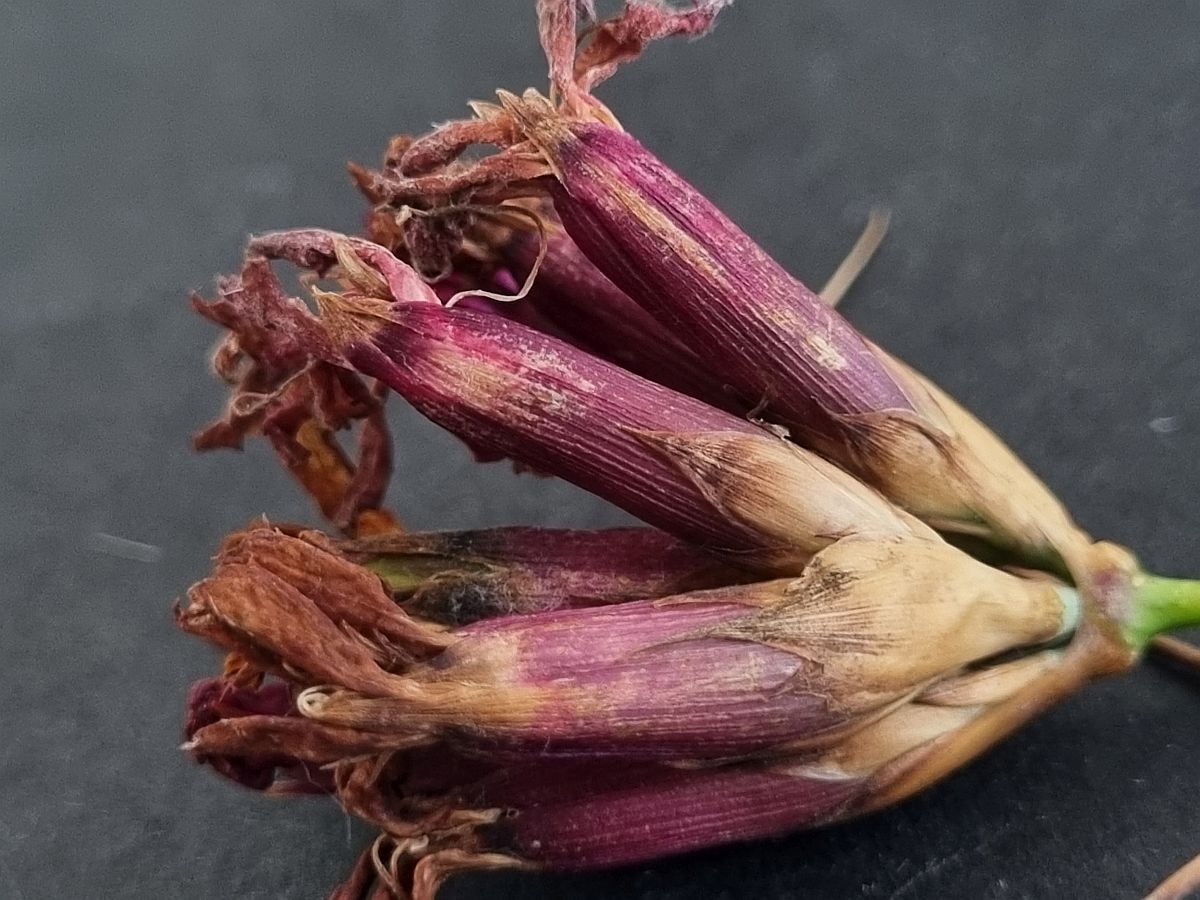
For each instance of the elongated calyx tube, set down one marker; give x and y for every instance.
(787, 641)
(567, 297)
(722, 672)
(556, 738)
(673, 461)
(787, 355)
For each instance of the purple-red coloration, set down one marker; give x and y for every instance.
(461, 577)
(641, 679)
(531, 698)
(317, 249)
(588, 816)
(509, 390)
(580, 303)
(669, 249)
(212, 701)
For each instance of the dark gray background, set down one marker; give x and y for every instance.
(1042, 163)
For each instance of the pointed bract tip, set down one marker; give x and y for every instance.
(357, 273)
(535, 114)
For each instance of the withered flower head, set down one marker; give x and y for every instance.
(721, 672)
(790, 644)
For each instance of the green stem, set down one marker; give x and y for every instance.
(1161, 604)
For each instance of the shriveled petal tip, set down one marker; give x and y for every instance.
(413, 868)
(225, 731)
(347, 593)
(289, 738)
(272, 614)
(432, 871)
(372, 269)
(577, 63)
(197, 619)
(290, 386)
(557, 26)
(213, 699)
(625, 36)
(273, 328)
(580, 62)
(447, 142)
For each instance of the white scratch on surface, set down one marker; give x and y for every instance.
(112, 545)
(930, 869)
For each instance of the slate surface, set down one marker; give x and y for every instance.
(1041, 162)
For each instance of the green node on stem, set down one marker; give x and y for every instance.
(1160, 604)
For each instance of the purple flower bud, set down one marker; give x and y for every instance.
(675, 462)
(784, 350)
(573, 815)
(571, 739)
(723, 672)
(669, 249)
